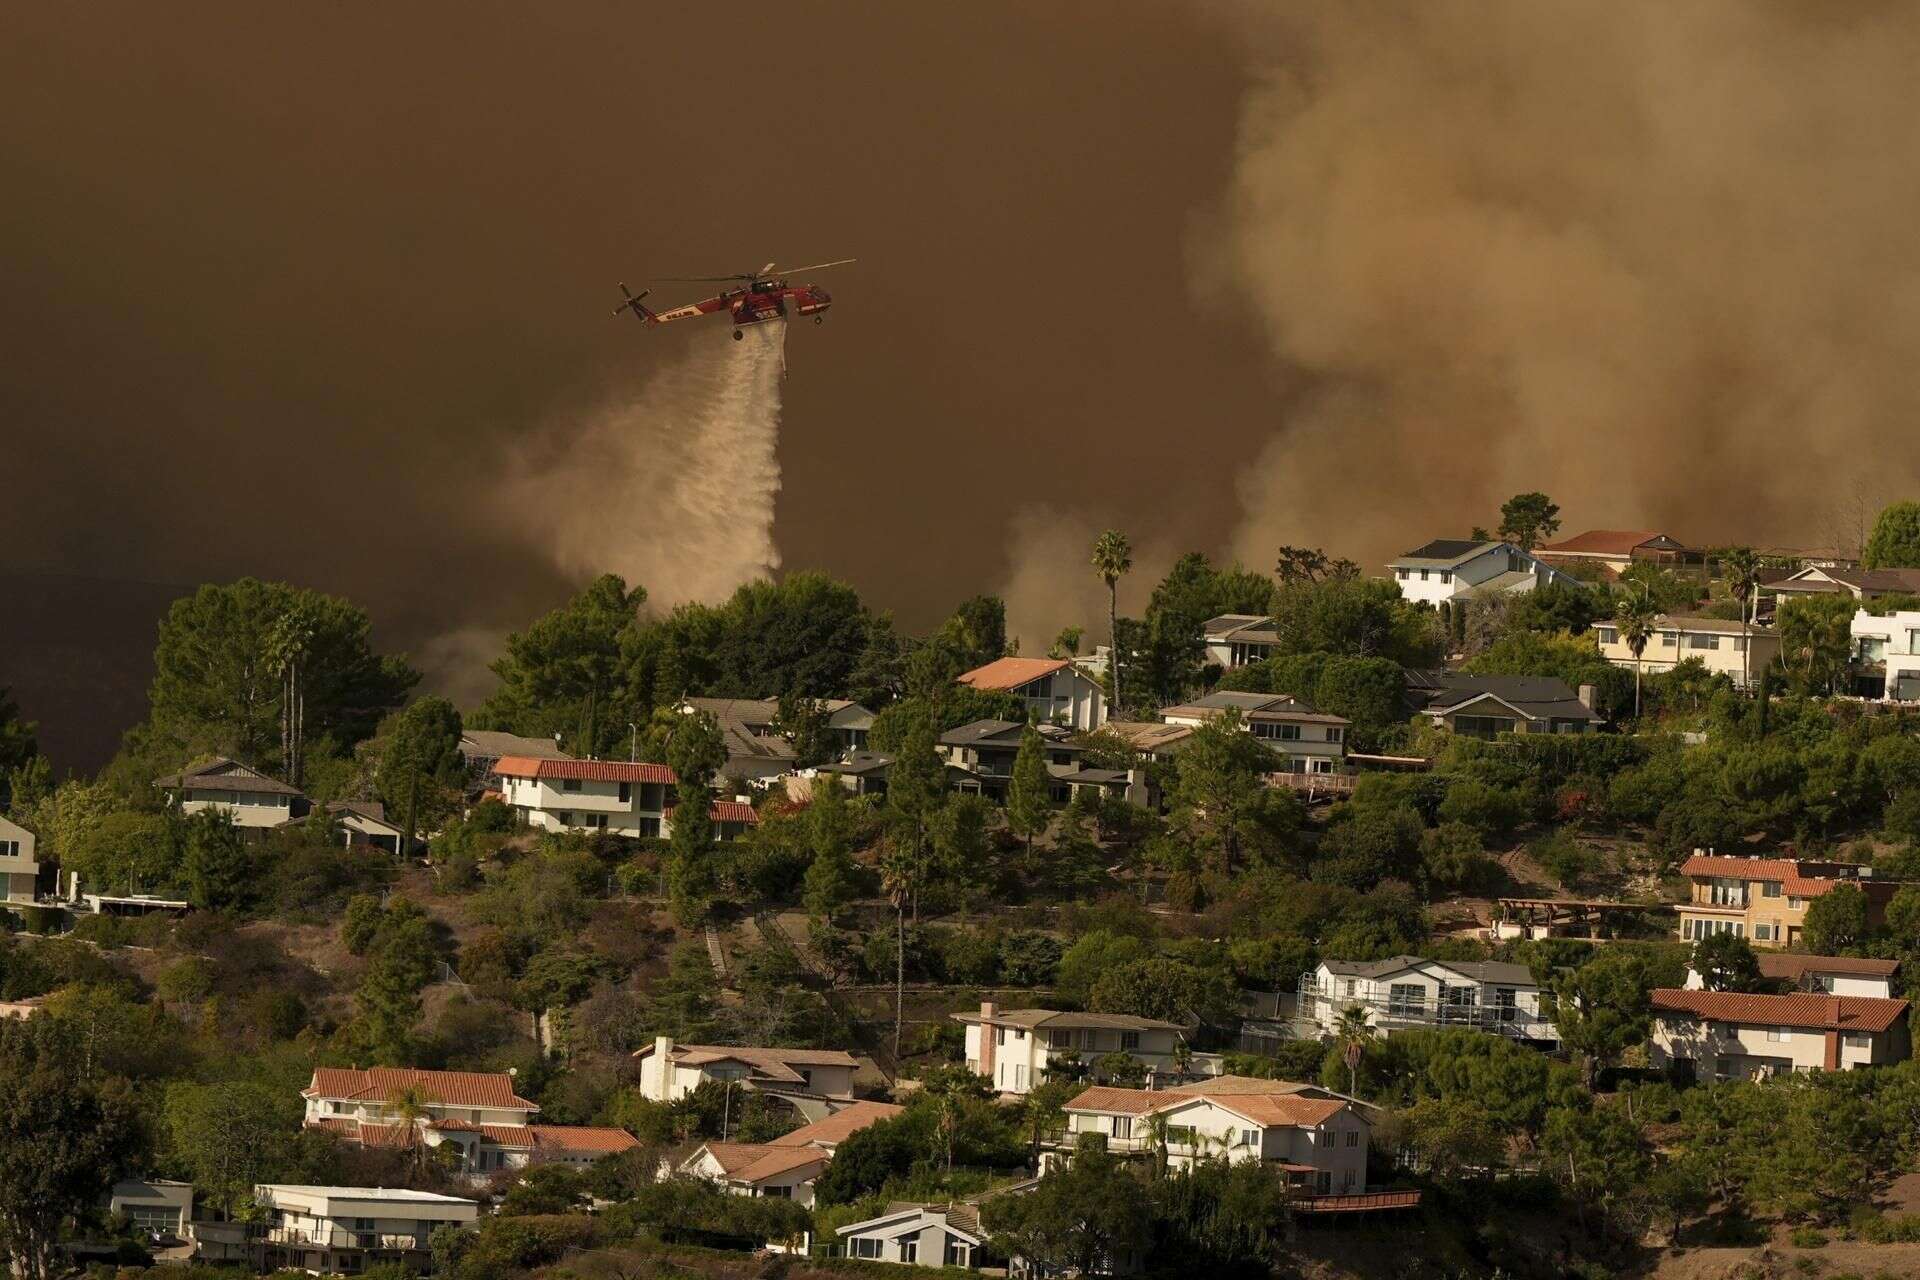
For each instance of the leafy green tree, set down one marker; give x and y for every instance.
(977, 631)
(1815, 637)
(1600, 1009)
(1895, 540)
(1836, 921)
(63, 1142)
(388, 997)
(566, 672)
(219, 687)
(1357, 618)
(1453, 1138)
(1093, 954)
(1165, 989)
(228, 1137)
(1528, 519)
(220, 867)
(1220, 800)
(958, 840)
(1029, 804)
(1067, 643)
(1075, 1219)
(128, 852)
(684, 1002)
(1112, 559)
(1310, 564)
(1371, 845)
(1726, 962)
(1166, 662)
(421, 771)
(697, 752)
(1599, 1153)
(830, 876)
(18, 747)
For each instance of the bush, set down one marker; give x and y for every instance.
(1808, 1238)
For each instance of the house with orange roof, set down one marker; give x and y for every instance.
(620, 797)
(1055, 690)
(1317, 1139)
(1617, 550)
(759, 1169)
(1727, 1035)
(477, 1113)
(1765, 899)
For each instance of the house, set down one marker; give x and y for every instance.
(1407, 993)
(1725, 648)
(484, 748)
(863, 772)
(1449, 568)
(758, 1169)
(1235, 640)
(1317, 1140)
(1310, 741)
(623, 798)
(1724, 1035)
(254, 801)
(1765, 899)
(347, 1229)
(477, 1113)
(1617, 550)
(1154, 739)
(19, 873)
(1886, 655)
(980, 758)
(1054, 689)
(1861, 584)
(817, 1082)
(1015, 1048)
(1487, 706)
(927, 1235)
(756, 748)
(826, 1135)
(362, 822)
(1821, 975)
(155, 1206)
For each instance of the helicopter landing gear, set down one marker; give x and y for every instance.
(737, 335)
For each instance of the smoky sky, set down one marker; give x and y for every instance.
(311, 292)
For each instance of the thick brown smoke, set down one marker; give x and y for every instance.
(1659, 260)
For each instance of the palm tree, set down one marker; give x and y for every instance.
(899, 880)
(1112, 557)
(1741, 565)
(1351, 1032)
(409, 1105)
(1157, 1140)
(1635, 618)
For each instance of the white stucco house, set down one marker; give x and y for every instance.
(927, 1235)
(1406, 993)
(1235, 640)
(619, 797)
(1055, 690)
(759, 1169)
(1722, 647)
(1449, 568)
(19, 873)
(1309, 741)
(158, 1206)
(346, 1229)
(1014, 1048)
(817, 1081)
(1726, 1035)
(1821, 975)
(254, 801)
(1886, 654)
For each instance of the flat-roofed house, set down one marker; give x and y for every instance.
(1727, 1035)
(1310, 741)
(1765, 899)
(1617, 550)
(817, 1082)
(1487, 706)
(1449, 568)
(1886, 654)
(254, 801)
(1408, 993)
(19, 873)
(1054, 689)
(344, 1230)
(1723, 647)
(1316, 1140)
(1014, 1048)
(157, 1206)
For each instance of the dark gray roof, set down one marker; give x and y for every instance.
(1478, 970)
(1265, 706)
(746, 724)
(222, 774)
(491, 744)
(1541, 696)
(1444, 551)
(860, 762)
(997, 732)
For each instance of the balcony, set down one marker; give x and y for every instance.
(1321, 1006)
(331, 1237)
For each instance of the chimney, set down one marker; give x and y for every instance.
(987, 1011)
(1588, 697)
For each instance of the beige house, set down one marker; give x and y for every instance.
(1728, 1036)
(1014, 1048)
(817, 1082)
(1617, 550)
(1310, 741)
(1723, 647)
(619, 797)
(759, 1169)
(254, 801)
(927, 1235)
(1765, 899)
(157, 1206)
(1318, 1140)
(19, 873)
(346, 1229)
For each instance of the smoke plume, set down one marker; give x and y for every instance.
(673, 488)
(1658, 260)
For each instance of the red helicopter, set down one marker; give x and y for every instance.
(762, 296)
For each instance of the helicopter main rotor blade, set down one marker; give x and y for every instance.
(818, 266)
(701, 279)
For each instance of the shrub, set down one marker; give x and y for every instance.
(1808, 1238)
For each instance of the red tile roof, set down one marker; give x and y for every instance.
(1261, 1108)
(367, 1135)
(596, 1139)
(734, 811)
(1801, 1009)
(1787, 871)
(1600, 542)
(583, 770)
(1131, 1102)
(752, 1162)
(1011, 673)
(839, 1126)
(447, 1088)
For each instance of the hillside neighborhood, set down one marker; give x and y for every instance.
(1542, 902)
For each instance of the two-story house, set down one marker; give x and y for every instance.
(1827, 975)
(19, 873)
(916, 1234)
(1835, 580)
(756, 745)
(1235, 640)
(481, 749)
(1055, 690)
(1449, 568)
(1406, 993)
(1317, 1140)
(478, 1114)
(1765, 899)
(345, 1230)
(1309, 741)
(1014, 1048)
(1725, 648)
(1488, 706)
(620, 797)
(254, 802)
(1886, 655)
(1616, 550)
(787, 1166)
(1726, 1035)
(817, 1082)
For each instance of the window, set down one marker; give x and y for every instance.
(1779, 1035)
(866, 1247)
(1406, 999)
(959, 1253)
(9, 848)
(1669, 639)
(1249, 1138)
(1129, 1039)
(1336, 734)
(1346, 1181)
(1606, 635)
(1762, 932)
(1769, 888)
(626, 793)
(777, 1193)
(1179, 1135)
(1703, 642)
(569, 784)
(1122, 1126)
(564, 818)
(1482, 726)
(1446, 575)
(1353, 1137)
(1859, 1040)
(909, 1247)
(1401, 574)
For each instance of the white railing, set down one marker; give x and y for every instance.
(1319, 1005)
